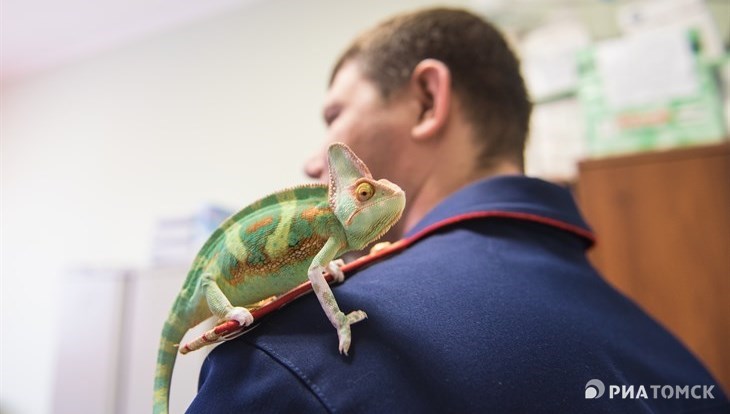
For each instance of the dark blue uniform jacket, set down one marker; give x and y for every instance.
(498, 312)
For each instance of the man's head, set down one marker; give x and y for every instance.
(430, 100)
(485, 74)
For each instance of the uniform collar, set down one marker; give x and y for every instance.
(512, 196)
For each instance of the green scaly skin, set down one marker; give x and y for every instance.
(274, 245)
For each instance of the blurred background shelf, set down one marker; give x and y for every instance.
(106, 358)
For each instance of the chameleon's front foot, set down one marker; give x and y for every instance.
(335, 269)
(343, 329)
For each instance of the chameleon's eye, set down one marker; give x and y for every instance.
(365, 191)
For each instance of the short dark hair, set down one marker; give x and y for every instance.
(485, 73)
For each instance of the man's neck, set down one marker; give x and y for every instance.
(442, 183)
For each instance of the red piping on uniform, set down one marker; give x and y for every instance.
(403, 243)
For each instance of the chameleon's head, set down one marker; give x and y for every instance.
(365, 207)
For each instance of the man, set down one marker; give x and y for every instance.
(492, 307)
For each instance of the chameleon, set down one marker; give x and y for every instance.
(274, 245)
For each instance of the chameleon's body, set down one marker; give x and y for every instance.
(274, 245)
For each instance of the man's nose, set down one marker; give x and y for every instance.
(316, 167)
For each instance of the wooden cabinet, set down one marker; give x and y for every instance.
(663, 226)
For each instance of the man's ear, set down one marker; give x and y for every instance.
(431, 79)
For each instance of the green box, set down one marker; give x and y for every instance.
(686, 119)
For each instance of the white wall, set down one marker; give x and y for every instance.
(223, 110)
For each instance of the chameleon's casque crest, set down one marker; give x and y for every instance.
(344, 167)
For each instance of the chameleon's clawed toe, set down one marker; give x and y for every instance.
(356, 316)
(240, 315)
(345, 344)
(334, 268)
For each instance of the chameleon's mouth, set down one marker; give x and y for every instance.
(392, 223)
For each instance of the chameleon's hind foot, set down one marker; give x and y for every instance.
(240, 315)
(344, 333)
